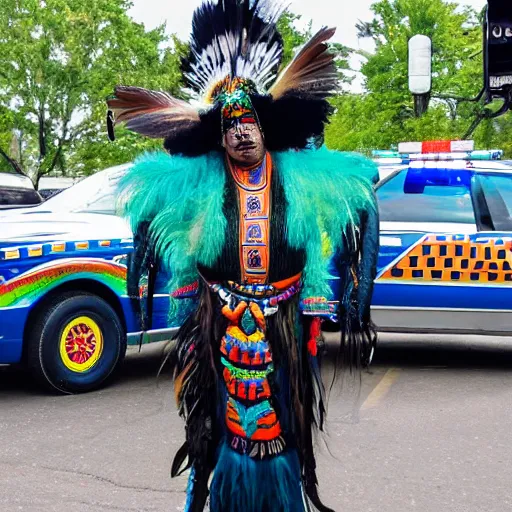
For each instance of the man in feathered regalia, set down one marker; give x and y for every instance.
(251, 219)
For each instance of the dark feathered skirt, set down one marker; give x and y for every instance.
(251, 395)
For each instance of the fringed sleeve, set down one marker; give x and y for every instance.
(142, 271)
(356, 264)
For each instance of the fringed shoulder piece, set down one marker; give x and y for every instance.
(178, 200)
(331, 198)
(328, 190)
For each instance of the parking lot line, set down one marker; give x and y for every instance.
(381, 389)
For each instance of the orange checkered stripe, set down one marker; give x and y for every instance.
(456, 258)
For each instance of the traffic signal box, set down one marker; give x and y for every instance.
(498, 49)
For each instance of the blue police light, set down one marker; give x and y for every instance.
(419, 178)
(385, 153)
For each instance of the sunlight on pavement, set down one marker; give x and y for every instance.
(381, 389)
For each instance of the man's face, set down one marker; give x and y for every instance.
(244, 144)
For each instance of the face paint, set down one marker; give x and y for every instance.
(244, 144)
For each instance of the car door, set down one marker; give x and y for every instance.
(439, 246)
(493, 282)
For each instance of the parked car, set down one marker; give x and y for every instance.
(17, 191)
(445, 259)
(64, 308)
(444, 266)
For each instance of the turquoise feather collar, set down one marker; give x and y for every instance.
(326, 193)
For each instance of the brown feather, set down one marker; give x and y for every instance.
(151, 113)
(179, 382)
(311, 71)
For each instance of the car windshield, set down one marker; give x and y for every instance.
(430, 201)
(95, 194)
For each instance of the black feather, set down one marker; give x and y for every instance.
(110, 126)
(204, 137)
(138, 266)
(177, 464)
(246, 23)
(291, 121)
(357, 272)
(196, 345)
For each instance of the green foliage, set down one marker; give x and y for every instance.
(293, 37)
(93, 151)
(59, 60)
(384, 115)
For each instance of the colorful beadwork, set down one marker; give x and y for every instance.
(318, 306)
(253, 187)
(231, 91)
(251, 420)
(186, 291)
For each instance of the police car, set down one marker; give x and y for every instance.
(444, 264)
(64, 307)
(445, 259)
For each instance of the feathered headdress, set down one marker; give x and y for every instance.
(232, 72)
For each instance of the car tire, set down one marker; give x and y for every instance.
(76, 344)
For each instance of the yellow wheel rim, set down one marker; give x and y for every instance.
(81, 344)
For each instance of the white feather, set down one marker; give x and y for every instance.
(258, 63)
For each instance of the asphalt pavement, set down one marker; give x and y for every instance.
(428, 429)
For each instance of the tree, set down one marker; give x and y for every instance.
(294, 38)
(91, 149)
(9, 157)
(59, 60)
(383, 114)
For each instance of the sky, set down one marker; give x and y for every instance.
(177, 14)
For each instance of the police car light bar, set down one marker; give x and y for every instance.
(494, 154)
(435, 151)
(437, 146)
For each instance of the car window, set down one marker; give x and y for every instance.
(10, 179)
(94, 194)
(46, 193)
(502, 185)
(18, 196)
(432, 203)
(104, 203)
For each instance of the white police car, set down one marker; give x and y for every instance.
(445, 259)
